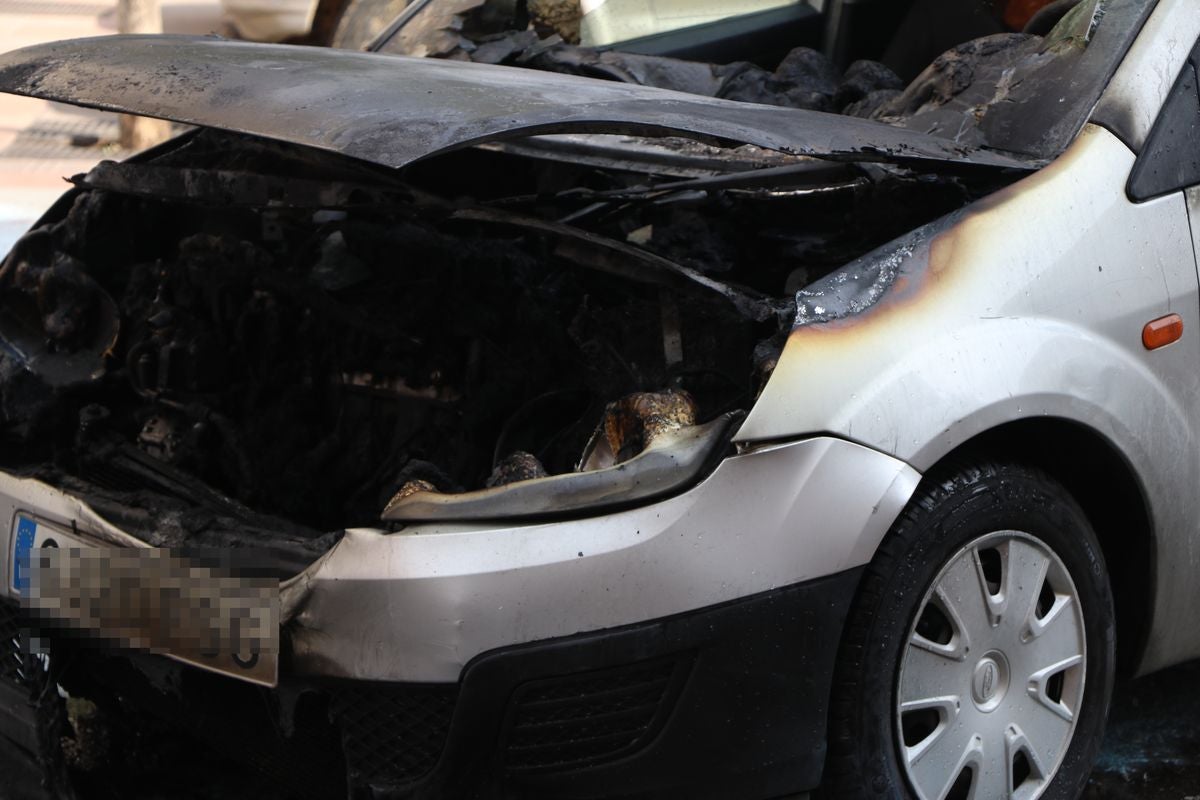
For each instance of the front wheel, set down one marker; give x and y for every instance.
(978, 657)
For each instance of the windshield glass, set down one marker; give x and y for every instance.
(1013, 75)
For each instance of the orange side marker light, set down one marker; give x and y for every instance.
(1162, 331)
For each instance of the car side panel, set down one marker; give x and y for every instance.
(1029, 305)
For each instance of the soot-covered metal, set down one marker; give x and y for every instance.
(207, 346)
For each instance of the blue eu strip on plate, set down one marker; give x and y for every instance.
(25, 535)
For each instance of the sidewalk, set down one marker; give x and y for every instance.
(41, 142)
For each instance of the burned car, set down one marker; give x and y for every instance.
(465, 427)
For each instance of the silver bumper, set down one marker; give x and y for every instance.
(418, 605)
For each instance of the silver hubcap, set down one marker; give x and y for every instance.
(991, 678)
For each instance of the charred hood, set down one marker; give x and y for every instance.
(395, 110)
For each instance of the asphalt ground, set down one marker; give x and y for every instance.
(1151, 752)
(1152, 748)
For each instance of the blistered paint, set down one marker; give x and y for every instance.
(1028, 304)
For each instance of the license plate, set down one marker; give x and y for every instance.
(147, 599)
(29, 534)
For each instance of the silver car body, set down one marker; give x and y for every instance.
(1027, 305)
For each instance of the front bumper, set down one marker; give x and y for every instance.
(683, 648)
(728, 701)
(421, 604)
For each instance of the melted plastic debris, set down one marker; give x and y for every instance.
(519, 466)
(634, 423)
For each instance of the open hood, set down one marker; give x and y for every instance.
(394, 110)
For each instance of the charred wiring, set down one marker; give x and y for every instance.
(239, 336)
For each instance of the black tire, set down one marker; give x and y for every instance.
(947, 513)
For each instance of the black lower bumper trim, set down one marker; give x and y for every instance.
(727, 701)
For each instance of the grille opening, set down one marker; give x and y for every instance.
(9, 642)
(12, 658)
(590, 718)
(392, 734)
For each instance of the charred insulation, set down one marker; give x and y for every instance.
(281, 340)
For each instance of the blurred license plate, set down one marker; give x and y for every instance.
(30, 534)
(147, 599)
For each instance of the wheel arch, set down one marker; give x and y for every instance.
(1105, 484)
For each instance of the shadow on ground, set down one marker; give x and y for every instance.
(1152, 750)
